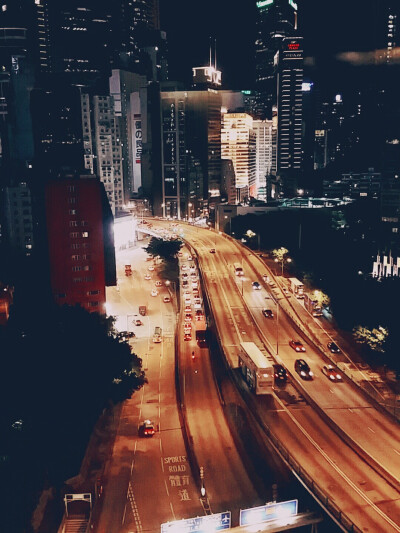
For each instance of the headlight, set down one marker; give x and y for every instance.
(338, 376)
(311, 374)
(332, 377)
(297, 349)
(302, 373)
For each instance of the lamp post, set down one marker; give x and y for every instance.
(282, 261)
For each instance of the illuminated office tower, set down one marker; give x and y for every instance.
(289, 78)
(276, 19)
(264, 148)
(238, 143)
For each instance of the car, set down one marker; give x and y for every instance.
(146, 429)
(147, 276)
(186, 293)
(138, 322)
(187, 327)
(150, 268)
(188, 299)
(190, 258)
(185, 283)
(199, 312)
(193, 273)
(268, 313)
(154, 292)
(212, 250)
(195, 291)
(297, 346)
(302, 368)
(126, 335)
(195, 285)
(185, 275)
(187, 337)
(188, 308)
(183, 267)
(157, 338)
(331, 373)
(158, 283)
(280, 374)
(166, 299)
(333, 347)
(197, 304)
(188, 317)
(266, 278)
(256, 286)
(180, 254)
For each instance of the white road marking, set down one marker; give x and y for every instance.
(372, 431)
(166, 487)
(123, 516)
(172, 510)
(395, 451)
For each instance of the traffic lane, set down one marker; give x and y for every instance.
(161, 460)
(351, 484)
(226, 480)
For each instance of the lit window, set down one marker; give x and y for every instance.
(85, 234)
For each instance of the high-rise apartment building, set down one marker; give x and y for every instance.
(289, 78)
(102, 146)
(238, 143)
(80, 242)
(263, 130)
(276, 19)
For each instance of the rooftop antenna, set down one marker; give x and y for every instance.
(210, 50)
(215, 53)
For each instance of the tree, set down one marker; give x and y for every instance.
(280, 254)
(374, 338)
(166, 249)
(321, 298)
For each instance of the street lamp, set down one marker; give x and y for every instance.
(282, 261)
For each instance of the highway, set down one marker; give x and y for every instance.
(367, 499)
(148, 481)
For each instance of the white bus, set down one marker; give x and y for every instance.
(255, 368)
(297, 287)
(157, 337)
(237, 267)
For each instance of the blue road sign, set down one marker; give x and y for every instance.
(265, 513)
(200, 524)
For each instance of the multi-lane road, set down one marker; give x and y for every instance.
(148, 481)
(366, 497)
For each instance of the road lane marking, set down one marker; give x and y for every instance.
(338, 470)
(372, 431)
(398, 453)
(172, 510)
(166, 487)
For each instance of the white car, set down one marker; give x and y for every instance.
(190, 258)
(154, 292)
(166, 299)
(147, 276)
(195, 285)
(151, 268)
(183, 267)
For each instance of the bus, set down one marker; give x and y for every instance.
(237, 267)
(312, 306)
(255, 368)
(296, 287)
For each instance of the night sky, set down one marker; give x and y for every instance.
(328, 26)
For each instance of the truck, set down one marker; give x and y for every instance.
(128, 270)
(142, 310)
(312, 306)
(201, 333)
(296, 287)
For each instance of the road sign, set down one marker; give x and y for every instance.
(200, 524)
(265, 513)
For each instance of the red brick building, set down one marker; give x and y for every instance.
(77, 237)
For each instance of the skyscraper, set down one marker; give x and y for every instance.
(238, 143)
(289, 79)
(276, 19)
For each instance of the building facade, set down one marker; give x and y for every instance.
(263, 130)
(238, 143)
(276, 19)
(80, 243)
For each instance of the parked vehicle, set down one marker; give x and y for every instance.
(142, 310)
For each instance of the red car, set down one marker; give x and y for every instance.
(297, 346)
(187, 337)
